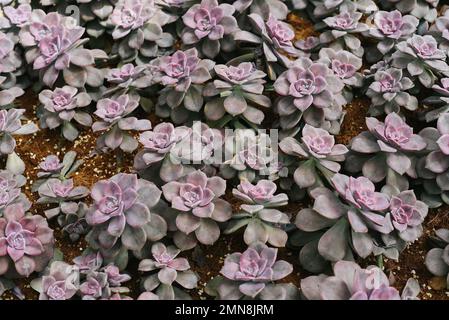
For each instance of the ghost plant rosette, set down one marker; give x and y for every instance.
(421, 9)
(26, 242)
(121, 218)
(351, 282)
(10, 193)
(61, 282)
(434, 167)
(53, 46)
(422, 58)
(437, 261)
(10, 126)
(275, 39)
(210, 26)
(168, 272)
(388, 92)
(307, 91)
(199, 208)
(319, 156)
(126, 79)
(262, 223)
(252, 275)
(389, 27)
(345, 66)
(389, 150)
(237, 92)
(63, 194)
(183, 76)
(253, 155)
(115, 122)
(61, 106)
(138, 29)
(264, 8)
(356, 220)
(344, 26)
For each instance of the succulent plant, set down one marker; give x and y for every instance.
(390, 27)
(53, 45)
(307, 91)
(437, 261)
(388, 92)
(262, 223)
(61, 282)
(252, 155)
(355, 220)
(422, 58)
(196, 199)
(26, 242)
(137, 28)
(344, 26)
(63, 194)
(61, 106)
(237, 91)
(422, 9)
(351, 282)
(264, 8)
(183, 76)
(167, 273)
(116, 122)
(51, 167)
(10, 193)
(251, 275)
(389, 151)
(434, 167)
(120, 216)
(275, 39)
(319, 156)
(209, 26)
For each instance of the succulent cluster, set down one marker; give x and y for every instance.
(224, 118)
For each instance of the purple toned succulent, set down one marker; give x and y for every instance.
(60, 283)
(421, 9)
(196, 199)
(307, 89)
(183, 76)
(251, 275)
(237, 89)
(264, 8)
(166, 271)
(116, 122)
(95, 286)
(10, 193)
(441, 30)
(262, 223)
(436, 260)
(347, 222)
(407, 215)
(63, 194)
(126, 78)
(389, 151)
(422, 58)
(11, 61)
(121, 217)
(388, 92)
(391, 26)
(60, 107)
(317, 152)
(253, 155)
(436, 163)
(88, 262)
(275, 38)
(19, 16)
(344, 65)
(53, 45)
(351, 282)
(158, 143)
(344, 26)
(208, 24)
(51, 167)
(26, 242)
(138, 29)
(262, 193)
